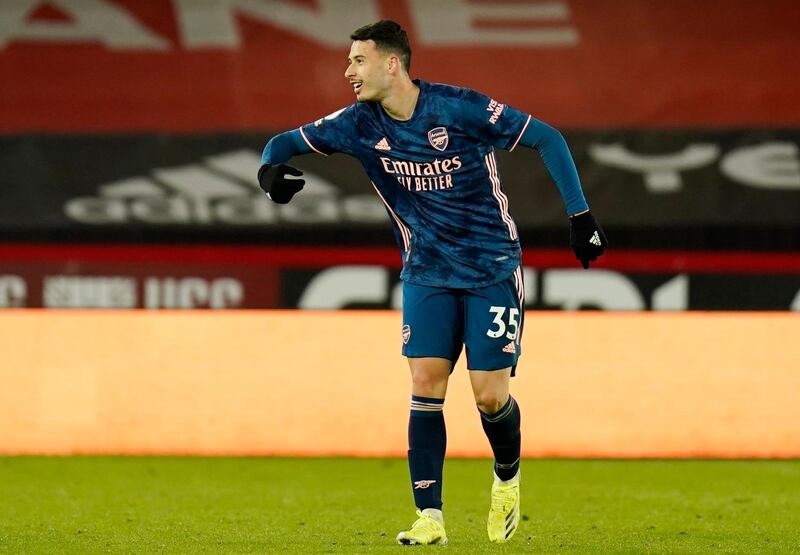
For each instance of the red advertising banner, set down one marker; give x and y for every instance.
(179, 284)
(191, 66)
(231, 277)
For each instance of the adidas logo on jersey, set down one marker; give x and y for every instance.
(510, 348)
(383, 144)
(595, 240)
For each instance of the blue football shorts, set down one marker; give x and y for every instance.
(487, 321)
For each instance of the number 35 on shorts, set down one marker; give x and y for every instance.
(505, 323)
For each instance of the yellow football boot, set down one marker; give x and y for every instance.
(426, 530)
(504, 511)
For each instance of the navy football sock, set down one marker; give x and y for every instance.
(427, 441)
(502, 429)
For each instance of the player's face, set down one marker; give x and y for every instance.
(368, 71)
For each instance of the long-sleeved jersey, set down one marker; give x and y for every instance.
(437, 175)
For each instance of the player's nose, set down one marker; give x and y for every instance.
(348, 73)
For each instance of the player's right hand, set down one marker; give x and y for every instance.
(273, 181)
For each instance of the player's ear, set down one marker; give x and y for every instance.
(393, 63)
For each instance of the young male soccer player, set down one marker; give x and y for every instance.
(429, 150)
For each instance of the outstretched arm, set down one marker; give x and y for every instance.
(333, 133)
(586, 236)
(272, 173)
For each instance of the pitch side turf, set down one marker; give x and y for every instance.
(192, 505)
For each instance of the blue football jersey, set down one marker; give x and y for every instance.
(438, 178)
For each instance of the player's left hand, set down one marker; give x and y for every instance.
(586, 237)
(273, 181)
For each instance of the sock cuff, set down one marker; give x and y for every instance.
(508, 466)
(426, 406)
(432, 400)
(504, 411)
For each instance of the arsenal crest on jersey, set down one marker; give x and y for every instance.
(438, 138)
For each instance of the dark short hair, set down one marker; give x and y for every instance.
(389, 37)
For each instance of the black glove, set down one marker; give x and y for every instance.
(272, 179)
(586, 237)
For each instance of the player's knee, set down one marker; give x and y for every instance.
(428, 384)
(489, 401)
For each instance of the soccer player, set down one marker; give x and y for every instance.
(429, 150)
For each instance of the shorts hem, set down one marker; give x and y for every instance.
(494, 368)
(446, 357)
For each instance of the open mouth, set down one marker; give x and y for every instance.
(357, 86)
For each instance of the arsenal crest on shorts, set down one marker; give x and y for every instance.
(406, 333)
(438, 138)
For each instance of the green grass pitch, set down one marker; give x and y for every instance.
(265, 505)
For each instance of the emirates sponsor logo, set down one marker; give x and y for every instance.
(422, 176)
(435, 167)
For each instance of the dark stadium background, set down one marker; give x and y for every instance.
(143, 135)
